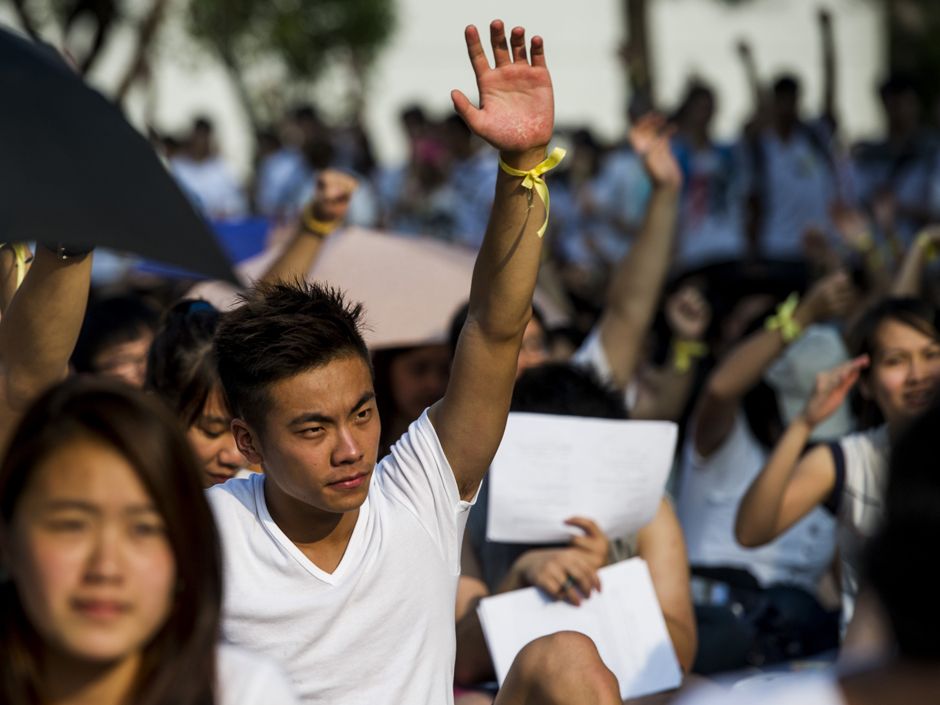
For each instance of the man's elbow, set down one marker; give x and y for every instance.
(495, 326)
(747, 536)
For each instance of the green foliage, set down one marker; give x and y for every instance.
(305, 34)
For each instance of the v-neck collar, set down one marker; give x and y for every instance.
(351, 555)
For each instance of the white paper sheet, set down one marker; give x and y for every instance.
(624, 620)
(549, 468)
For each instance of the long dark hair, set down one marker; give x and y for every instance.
(900, 557)
(181, 365)
(178, 664)
(915, 313)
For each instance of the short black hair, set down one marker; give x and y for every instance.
(566, 390)
(787, 84)
(281, 330)
(900, 557)
(111, 321)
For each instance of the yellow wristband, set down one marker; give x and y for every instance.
(864, 242)
(321, 228)
(22, 256)
(685, 351)
(783, 320)
(924, 242)
(532, 179)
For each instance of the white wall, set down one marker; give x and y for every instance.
(427, 58)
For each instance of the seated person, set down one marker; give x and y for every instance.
(490, 567)
(901, 573)
(182, 370)
(345, 569)
(759, 606)
(115, 338)
(897, 344)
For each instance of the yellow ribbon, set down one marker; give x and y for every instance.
(931, 251)
(532, 179)
(22, 257)
(684, 351)
(320, 228)
(783, 320)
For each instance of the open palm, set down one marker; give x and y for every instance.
(832, 387)
(517, 108)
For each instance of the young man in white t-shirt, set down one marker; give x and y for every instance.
(345, 570)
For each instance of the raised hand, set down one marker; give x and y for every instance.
(517, 106)
(831, 388)
(649, 138)
(334, 190)
(830, 297)
(688, 313)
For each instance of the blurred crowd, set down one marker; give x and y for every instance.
(775, 296)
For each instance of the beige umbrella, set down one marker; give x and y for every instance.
(411, 286)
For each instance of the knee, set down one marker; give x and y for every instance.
(565, 658)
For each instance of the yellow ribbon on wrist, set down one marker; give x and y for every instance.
(21, 257)
(532, 179)
(784, 321)
(685, 351)
(925, 243)
(320, 228)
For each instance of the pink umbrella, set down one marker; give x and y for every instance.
(411, 286)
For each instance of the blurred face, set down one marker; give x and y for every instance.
(211, 437)
(418, 378)
(701, 110)
(321, 436)
(125, 361)
(786, 106)
(905, 371)
(534, 349)
(89, 555)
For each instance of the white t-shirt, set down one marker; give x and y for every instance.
(710, 491)
(379, 628)
(787, 689)
(246, 678)
(798, 191)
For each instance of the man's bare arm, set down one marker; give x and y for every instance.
(39, 330)
(516, 116)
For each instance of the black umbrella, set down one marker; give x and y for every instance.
(72, 170)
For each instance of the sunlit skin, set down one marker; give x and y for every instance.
(418, 378)
(905, 372)
(89, 555)
(125, 361)
(318, 449)
(211, 437)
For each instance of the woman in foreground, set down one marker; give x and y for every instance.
(111, 571)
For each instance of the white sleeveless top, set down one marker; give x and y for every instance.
(710, 491)
(861, 463)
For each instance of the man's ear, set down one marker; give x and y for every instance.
(247, 442)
